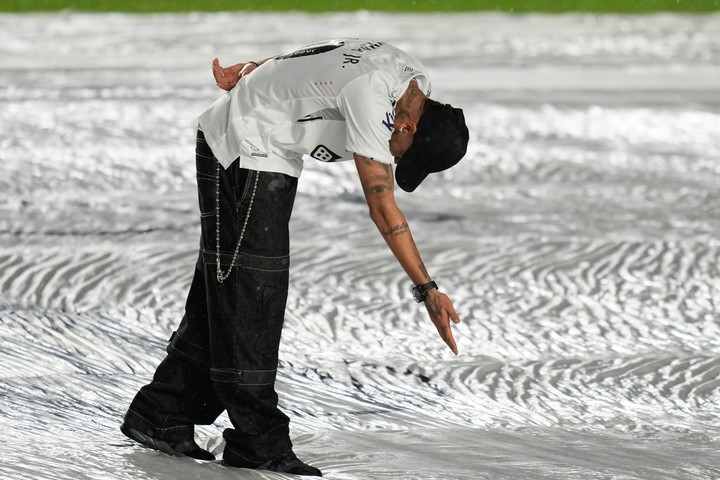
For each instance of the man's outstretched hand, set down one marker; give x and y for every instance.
(441, 312)
(227, 77)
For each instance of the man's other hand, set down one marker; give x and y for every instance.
(227, 77)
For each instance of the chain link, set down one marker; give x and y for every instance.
(219, 275)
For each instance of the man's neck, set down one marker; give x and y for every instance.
(410, 102)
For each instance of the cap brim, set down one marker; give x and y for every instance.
(409, 178)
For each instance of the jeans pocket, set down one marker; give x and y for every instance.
(274, 301)
(242, 186)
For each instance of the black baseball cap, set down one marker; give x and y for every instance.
(440, 141)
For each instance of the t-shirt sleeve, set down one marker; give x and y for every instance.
(366, 106)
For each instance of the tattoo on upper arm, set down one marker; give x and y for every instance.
(397, 230)
(378, 183)
(380, 188)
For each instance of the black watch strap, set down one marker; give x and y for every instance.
(420, 291)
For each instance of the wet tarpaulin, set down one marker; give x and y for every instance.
(578, 240)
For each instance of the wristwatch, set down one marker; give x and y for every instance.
(420, 291)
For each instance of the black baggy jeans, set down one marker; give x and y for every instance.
(224, 354)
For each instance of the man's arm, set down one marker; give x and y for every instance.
(378, 185)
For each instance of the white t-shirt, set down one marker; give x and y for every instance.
(326, 101)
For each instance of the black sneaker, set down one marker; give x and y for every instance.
(287, 462)
(175, 447)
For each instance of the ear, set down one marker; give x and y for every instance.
(407, 126)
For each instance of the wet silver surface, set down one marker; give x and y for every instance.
(578, 241)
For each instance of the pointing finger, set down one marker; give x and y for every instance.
(450, 341)
(447, 336)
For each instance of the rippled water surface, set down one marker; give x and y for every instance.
(578, 240)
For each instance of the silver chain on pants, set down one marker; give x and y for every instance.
(219, 275)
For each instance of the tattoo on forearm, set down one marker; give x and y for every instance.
(397, 230)
(424, 271)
